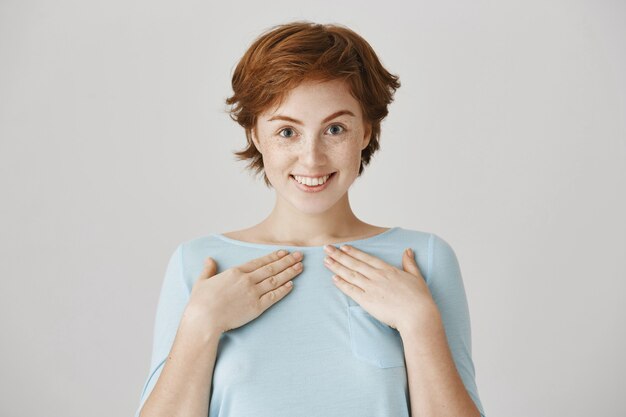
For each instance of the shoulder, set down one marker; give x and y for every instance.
(410, 236)
(441, 249)
(191, 254)
(431, 242)
(432, 250)
(201, 246)
(445, 270)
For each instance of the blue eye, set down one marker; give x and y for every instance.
(291, 129)
(338, 126)
(282, 130)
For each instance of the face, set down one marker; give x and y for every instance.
(318, 130)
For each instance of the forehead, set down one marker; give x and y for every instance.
(315, 100)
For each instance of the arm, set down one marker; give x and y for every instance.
(440, 370)
(184, 386)
(183, 354)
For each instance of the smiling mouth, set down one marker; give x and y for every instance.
(329, 177)
(313, 188)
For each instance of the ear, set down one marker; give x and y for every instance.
(255, 139)
(367, 136)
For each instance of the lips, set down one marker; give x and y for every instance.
(313, 176)
(315, 188)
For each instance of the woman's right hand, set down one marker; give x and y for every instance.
(240, 294)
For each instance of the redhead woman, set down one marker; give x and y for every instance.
(312, 311)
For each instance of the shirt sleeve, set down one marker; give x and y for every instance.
(448, 291)
(173, 299)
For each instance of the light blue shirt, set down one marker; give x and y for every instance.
(316, 352)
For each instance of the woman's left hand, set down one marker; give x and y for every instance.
(399, 298)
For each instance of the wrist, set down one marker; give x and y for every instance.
(196, 321)
(426, 321)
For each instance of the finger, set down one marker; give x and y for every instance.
(347, 274)
(410, 264)
(274, 268)
(210, 268)
(257, 263)
(275, 281)
(364, 257)
(352, 291)
(276, 295)
(364, 268)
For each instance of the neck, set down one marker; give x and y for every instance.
(292, 226)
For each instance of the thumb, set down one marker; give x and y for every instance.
(409, 264)
(210, 268)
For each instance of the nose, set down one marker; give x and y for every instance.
(313, 152)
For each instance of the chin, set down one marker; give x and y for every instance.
(308, 205)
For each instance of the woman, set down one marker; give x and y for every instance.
(357, 329)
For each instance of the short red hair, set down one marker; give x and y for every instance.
(285, 55)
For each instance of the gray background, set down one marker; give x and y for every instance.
(507, 138)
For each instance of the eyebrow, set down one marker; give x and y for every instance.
(331, 117)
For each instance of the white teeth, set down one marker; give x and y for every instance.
(311, 181)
